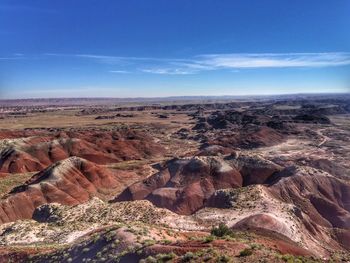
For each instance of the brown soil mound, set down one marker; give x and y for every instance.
(253, 168)
(8, 134)
(343, 237)
(35, 153)
(242, 129)
(323, 198)
(313, 118)
(68, 182)
(321, 202)
(214, 150)
(184, 185)
(251, 136)
(262, 221)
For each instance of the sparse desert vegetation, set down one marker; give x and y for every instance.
(225, 182)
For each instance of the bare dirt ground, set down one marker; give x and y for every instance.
(276, 174)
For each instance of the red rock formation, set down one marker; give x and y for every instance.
(343, 237)
(250, 136)
(70, 182)
(253, 168)
(323, 198)
(184, 185)
(35, 153)
(12, 134)
(262, 221)
(321, 203)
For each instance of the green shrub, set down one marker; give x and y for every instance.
(188, 257)
(150, 259)
(208, 239)
(165, 257)
(246, 252)
(149, 242)
(221, 230)
(224, 259)
(166, 241)
(255, 246)
(288, 258)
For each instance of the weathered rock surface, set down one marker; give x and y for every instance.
(184, 185)
(70, 182)
(35, 153)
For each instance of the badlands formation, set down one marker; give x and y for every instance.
(235, 181)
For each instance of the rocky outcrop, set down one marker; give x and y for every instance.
(184, 185)
(70, 182)
(251, 136)
(37, 152)
(253, 168)
(321, 201)
(263, 222)
(324, 198)
(312, 118)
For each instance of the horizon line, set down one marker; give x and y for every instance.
(185, 96)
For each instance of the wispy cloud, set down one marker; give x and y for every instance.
(239, 61)
(10, 58)
(105, 59)
(169, 71)
(117, 59)
(211, 62)
(119, 71)
(245, 61)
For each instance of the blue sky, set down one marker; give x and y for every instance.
(133, 48)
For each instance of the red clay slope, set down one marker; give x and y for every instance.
(250, 136)
(185, 185)
(36, 153)
(322, 201)
(69, 182)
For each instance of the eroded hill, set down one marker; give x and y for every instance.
(273, 174)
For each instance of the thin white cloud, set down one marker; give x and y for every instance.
(240, 61)
(211, 62)
(168, 71)
(9, 58)
(117, 59)
(236, 62)
(104, 59)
